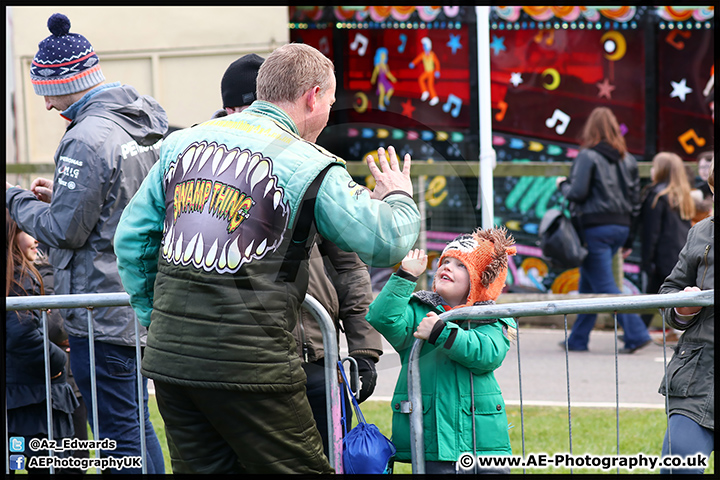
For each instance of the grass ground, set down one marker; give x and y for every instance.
(594, 431)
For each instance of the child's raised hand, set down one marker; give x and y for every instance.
(425, 328)
(415, 262)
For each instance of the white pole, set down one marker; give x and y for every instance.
(487, 153)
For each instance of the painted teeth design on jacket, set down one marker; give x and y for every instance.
(223, 208)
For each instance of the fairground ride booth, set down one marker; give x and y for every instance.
(408, 77)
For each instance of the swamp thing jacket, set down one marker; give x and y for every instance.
(604, 188)
(691, 372)
(221, 211)
(109, 146)
(446, 364)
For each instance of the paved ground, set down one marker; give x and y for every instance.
(544, 372)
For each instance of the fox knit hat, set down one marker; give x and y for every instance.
(65, 62)
(485, 255)
(239, 83)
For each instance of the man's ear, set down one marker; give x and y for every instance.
(311, 97)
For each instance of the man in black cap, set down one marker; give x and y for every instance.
(238, 84)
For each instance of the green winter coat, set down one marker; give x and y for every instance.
(445, 365)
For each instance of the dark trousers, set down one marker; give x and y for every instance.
(229, 431)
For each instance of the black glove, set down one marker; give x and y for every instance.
(368, 376)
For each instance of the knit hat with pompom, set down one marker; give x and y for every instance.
(65, 62)
(485, 255)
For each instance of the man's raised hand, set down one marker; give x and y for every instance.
(388, 176)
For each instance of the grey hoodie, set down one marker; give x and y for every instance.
(107, 150)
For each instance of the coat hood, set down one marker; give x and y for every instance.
(607, 151)
(141, 116)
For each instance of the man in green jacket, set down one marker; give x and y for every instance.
(213, 252)
(337, 279)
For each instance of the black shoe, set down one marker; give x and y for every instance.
(633, 350)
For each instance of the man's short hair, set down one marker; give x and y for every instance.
(290, 71)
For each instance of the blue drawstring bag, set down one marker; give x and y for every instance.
(365, 449)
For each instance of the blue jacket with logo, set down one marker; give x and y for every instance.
(109, 146)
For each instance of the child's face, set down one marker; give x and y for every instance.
(27, 245)
(452, 281)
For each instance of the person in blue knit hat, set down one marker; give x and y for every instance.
(110, 144)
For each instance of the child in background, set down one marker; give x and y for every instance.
(24, 359)
(472, 271)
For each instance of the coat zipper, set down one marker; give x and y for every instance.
(707, 250)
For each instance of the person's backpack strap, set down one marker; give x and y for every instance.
(303, 237)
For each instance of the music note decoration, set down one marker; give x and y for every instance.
(685, 138)
(403, 43)
(360, 43)
(560, 120)
(453, 100)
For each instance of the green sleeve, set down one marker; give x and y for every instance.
(380, 232)
(481, 349)
(391, 314)
(137, 242)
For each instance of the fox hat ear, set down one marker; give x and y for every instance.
(485, 254)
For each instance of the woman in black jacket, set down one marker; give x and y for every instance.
(604, 188)
(24, 356)
(666, 214)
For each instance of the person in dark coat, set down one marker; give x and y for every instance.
(666, 213)
(25, 390)
(689, 382)
(604, 188)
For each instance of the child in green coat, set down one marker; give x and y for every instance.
(471, 271)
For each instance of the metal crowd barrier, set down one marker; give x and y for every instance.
(560, 307)
(121, 299)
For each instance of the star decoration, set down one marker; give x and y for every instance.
(516, 78)
(498, 44)
(605, 89)
(680, 89)
(454, 43)
(407, 108)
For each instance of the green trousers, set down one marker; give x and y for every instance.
(226, 431)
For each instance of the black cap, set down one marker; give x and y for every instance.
(239, 82)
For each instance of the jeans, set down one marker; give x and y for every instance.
(116, 381)
(687, 439)
(596, 276)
